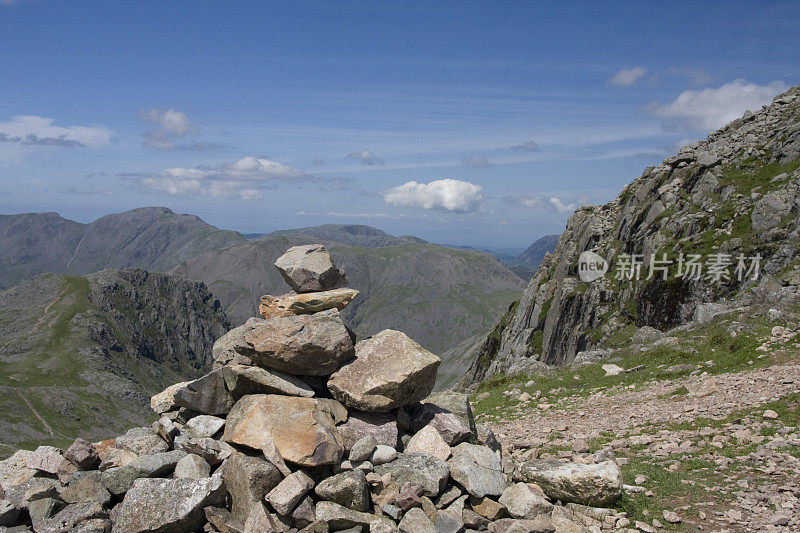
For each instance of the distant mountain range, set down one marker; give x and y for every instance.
(153, 238)
(438, 295)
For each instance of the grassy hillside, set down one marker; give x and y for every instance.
(81, 356)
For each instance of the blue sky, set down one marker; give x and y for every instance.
(465, 123)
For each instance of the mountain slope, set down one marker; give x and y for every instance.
(153, 238)
(83, 355)
(438, 295)
(348, 235)
(526, 263)
(738, 192)
(535, 253)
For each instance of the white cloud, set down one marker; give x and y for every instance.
(171, 126)
(446, 195)
(530, 146)
(477, 162)
(627, 76)
(31, 130)
(173, 122)
(523, 200)
(552, 203)
(366, 157)
(561, 207)
(709, 109)
(244, 178)
(335, 214)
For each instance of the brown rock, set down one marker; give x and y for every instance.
(488, 508)
(206, 395)
(165, 400)
(313, 345)
(242, 380)
(382, 426)
(305, 303)
(302, 429)
(428, 440)
(248, 479)
(390, 370)
(310, 268)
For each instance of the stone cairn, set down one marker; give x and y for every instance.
(297, 428)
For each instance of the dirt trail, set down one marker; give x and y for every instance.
(709, 397)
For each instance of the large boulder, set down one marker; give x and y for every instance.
(15, 470)
(313, 345)
(206, 395)
(382, 426)
(248, 479)
(340, 517)
(167, 504)
(289, 492)
(478, 470)
(596, 485)
(82, 454)
(242, 380)
(141, 441)
(428, 440)
(309, 268)
(305, 303)
(47, 459)
(348, 488)
(523, 502)
(302, 429)
(390, 370)
(230, 349)
(428, 471)
(453, 427)
(165, 400)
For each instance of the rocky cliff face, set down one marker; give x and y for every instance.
(82, 355)
(736, 193)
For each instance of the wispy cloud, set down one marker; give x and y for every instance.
(72, 190)
(523, 200)
(245, 178)
(627, 76)
(366, 157)
(553, 203)
(32, 130)
(563, 207)
(709, 109)
(444, 195)
(171, 125)
(530, 146)
(335, 214)
(477, 162)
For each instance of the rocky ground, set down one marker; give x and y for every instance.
(714, 448)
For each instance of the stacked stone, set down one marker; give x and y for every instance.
(297, 427)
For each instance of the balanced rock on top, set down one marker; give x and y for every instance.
(309, 268)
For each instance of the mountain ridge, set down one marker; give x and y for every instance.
(71, 346)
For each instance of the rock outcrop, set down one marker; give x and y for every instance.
(334, 444)
(727, 199)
